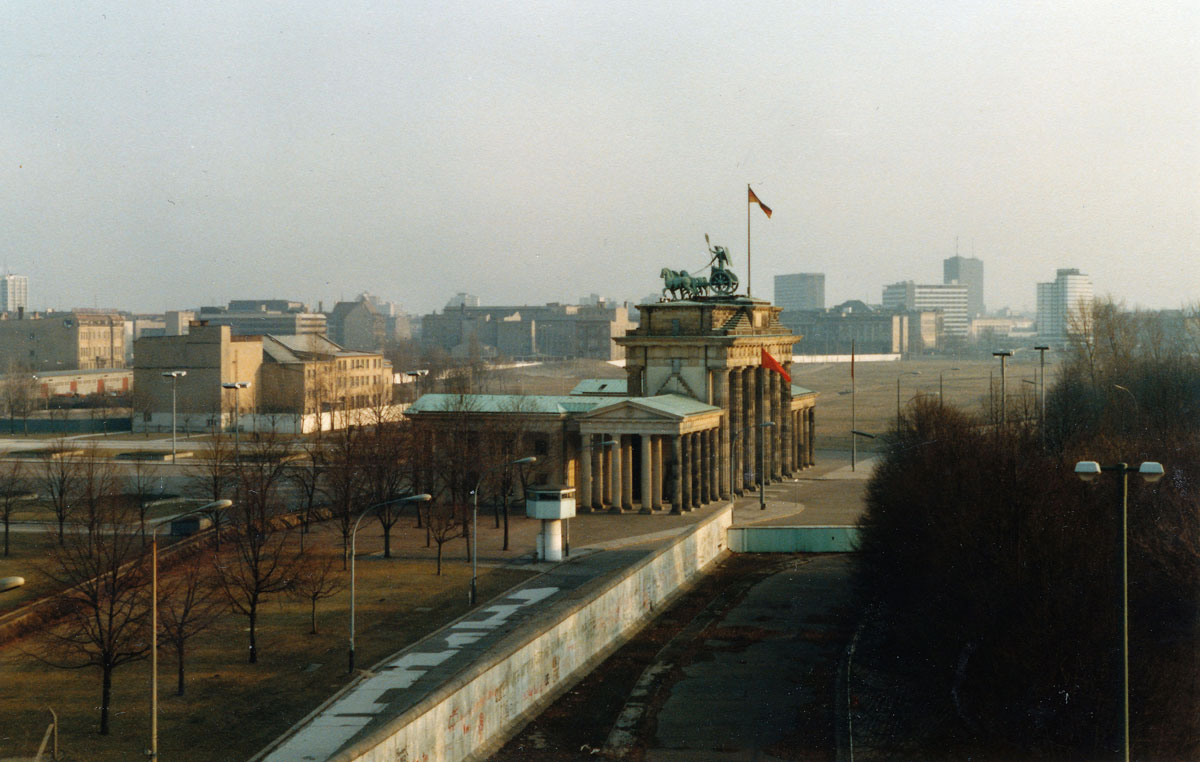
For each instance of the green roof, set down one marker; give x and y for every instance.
(606, 386)
(542, 404)
(800, 391)
(546, 404)
(671, 404)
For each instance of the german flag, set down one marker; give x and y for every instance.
(754, 200)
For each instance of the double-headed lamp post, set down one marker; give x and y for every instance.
(424, 497)
(216, 505)
(173, 376)
(1150, 471)
(475, 520)
(236, 386)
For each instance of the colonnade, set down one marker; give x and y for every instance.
(785, 435)
(680, 469)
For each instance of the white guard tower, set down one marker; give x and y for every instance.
(551, 505)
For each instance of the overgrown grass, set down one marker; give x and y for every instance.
(232, 709)
(875, 384)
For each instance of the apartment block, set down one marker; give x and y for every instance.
(79, 340)
(950, 300)
(800, 291)
(1063, 305)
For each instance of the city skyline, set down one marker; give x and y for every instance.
(532, 153)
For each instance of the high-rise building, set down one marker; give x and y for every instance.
(966, 271)
(800, 291)
(14, 293)
(1062, 306)
(950, 299)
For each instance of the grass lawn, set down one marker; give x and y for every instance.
(231, 708)
(875, 384)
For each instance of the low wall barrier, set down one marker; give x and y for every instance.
(479, 709)
(795, 539)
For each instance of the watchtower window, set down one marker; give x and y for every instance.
(675, 327)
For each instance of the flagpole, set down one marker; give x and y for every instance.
(748, 272)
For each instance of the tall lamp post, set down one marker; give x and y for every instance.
(475, 520)
(1004, 355)
(902, 375)
(173, 376)
(1042, 349)
(424, 497)
(942, 385)
(216, 505)
(236, 386)
(1150, 471)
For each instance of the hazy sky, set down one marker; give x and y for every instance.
(162, 155)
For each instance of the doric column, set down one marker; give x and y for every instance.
(736, 431)
(812, 430)
(647, 473)
(584, 488)
(605, 475)
(656, 469)
(711, 463)
(721, 400)
(679, 498)
(787, 436)
(616, 476)
(697, 464)
(778, 415)
(752, 430)
(627, 472)
(703, 467)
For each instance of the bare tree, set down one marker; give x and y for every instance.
(188, 603)
(14, 487)
(315, 581)
(446, 521)
(98, 488)
(18, 393)
(104, 579)
(262, 561)
(140, 485)
(385, 473)
(58, 480)
(306, 475)
(343, 482)
(212, 475)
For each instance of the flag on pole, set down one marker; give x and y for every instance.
(770, 363)
(754, 200)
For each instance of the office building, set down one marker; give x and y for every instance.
(1063, 306)
(14, 293)
(800, 291)
(949, 299)
(966, 271)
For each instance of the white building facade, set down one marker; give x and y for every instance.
(1062, 305)
(949, 299)
(14, 293)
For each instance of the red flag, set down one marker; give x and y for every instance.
(770, 363)
(754, 200)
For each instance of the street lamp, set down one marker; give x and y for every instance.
(11, 583)
(1004, 355)
(216, 505)
(424, 497)
(174, 376)
(475, 520)
(762, 464)
(1150, 471)
(902, 375)
(941, 384)
(1042, 349)
(236, 386)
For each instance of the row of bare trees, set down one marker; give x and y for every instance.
(999, 572)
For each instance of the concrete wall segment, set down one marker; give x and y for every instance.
(475, 711)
